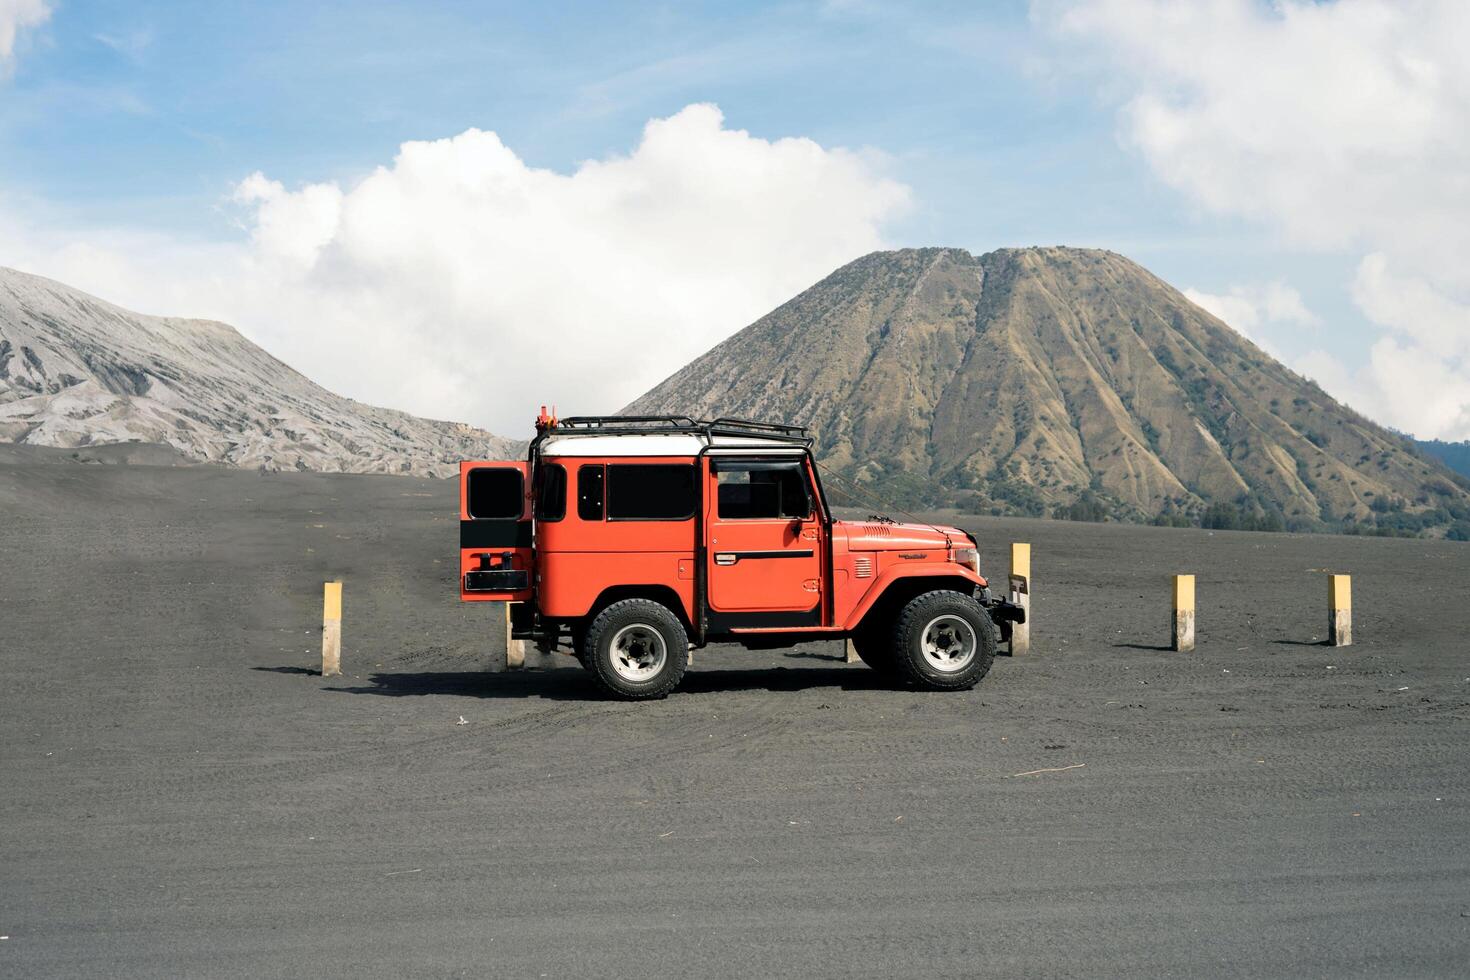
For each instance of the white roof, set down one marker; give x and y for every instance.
(656, 444)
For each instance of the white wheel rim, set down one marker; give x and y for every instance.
(638, 652)
(949, 643)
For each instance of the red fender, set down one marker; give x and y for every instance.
(892, 574)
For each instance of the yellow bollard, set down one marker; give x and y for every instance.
(332, 629)
(515, 650)
(1183, 613)
(1340, 610)
(1020, 594)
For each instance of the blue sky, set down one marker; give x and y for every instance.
(1007, 123)
(148, 113)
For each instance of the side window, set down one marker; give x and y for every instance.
(650, 492)
(495, 494)
(589, 491)
(551, 494)
(761, 490)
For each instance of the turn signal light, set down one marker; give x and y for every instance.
(969, 557)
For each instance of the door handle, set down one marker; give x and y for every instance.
(731, 557)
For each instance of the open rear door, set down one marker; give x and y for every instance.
(495, 557)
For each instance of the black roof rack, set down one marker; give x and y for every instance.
(777, 427)
(626, 425)
(643, 423)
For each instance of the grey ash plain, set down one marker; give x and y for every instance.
(183, 796)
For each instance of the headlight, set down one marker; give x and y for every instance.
(969, 557)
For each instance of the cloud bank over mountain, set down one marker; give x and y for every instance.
(1342, 127)
(459, 281)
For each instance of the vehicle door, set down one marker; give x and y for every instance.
(495, 556)
(764, 536)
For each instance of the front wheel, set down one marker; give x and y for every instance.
(637, 649)
(944, 641)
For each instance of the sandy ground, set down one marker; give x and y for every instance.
(181, 795)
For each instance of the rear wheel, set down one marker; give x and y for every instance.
(637, 649)
(944, 641)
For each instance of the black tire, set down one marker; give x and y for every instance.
(647, 633)
(874, 645)
(579, 645)
(946, 614)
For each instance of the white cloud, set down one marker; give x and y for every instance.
(1418, 379)
(132, 45)
(1256, 311)
(1401, 385)
(459, 282)
(1413, 307)
(14, 16)
(291, 229)
(1341, 126)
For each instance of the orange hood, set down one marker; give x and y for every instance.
(879, 536)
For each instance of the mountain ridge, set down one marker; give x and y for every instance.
(1038, 380)
(76, 370)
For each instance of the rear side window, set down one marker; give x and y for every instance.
(650, 492)
(551, 494)
(495, 494)
(752, 491)
(589, 492)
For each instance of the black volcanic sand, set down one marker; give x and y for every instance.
(184, 796)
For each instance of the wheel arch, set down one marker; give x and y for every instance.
(884, 604)
(662, 594)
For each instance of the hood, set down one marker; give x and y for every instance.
(878, 536)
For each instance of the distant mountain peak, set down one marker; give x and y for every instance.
(77, 371)
(1037, 379)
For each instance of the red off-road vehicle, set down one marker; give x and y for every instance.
(633, 539)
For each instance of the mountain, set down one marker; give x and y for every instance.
(1455, 455)
(76, 371)
(1060, 381)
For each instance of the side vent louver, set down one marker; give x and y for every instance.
(862, 566)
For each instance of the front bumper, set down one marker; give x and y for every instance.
(1003, 612)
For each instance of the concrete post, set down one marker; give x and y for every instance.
(1183, 613)
(515, 650)
(1020, 594)
(851, 654)
(332, 629)
(1340, 610)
